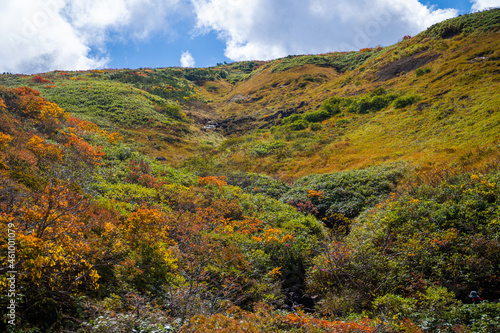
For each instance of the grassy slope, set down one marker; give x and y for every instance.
(455, 122)
(145, 110)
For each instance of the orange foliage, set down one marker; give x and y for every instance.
(35, 106)
(54, 244)
(315, 194)
(218, 181)
(2, 104)
(31, 101)
(85, 151)
(301, 320)
(87, 126)
(146, 225)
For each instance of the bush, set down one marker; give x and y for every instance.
(422, 71)
(317, 116)
(341, 61)
(346, 193)
(292, 118)
(256, 183)
(371, 104)
(404, 101)
(475, 23)
(299, 125)
(267, 148)
(315, 126)
(435, 231)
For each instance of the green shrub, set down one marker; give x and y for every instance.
(292, 118)
(317, 116)
(422, 71)
(475, 23)
(404, 101)
(315, 126)
(341, 61)
(348, 192)
(370, 104)
(267, 148)
(299, 124)
(173, 110)
(256, 183)
(395, 306)
(436, 230)
(331, 108)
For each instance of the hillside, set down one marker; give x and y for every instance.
(441, 108)
(341, 192)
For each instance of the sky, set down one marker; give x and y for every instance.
(43, 35)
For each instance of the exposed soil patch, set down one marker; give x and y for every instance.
(235, 124)
(200, 113)
(407, 64)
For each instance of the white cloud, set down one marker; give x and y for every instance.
(43, 35)
(484, 4)
(187, 59)
(267, 29)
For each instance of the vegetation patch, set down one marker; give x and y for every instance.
(341, 61)
(475, 23)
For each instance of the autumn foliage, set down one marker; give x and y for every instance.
(111, 239)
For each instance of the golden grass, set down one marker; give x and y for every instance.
(456, 123)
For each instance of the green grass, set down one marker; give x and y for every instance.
(342, 62)
(476, 23)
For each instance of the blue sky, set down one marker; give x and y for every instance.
(44, 35)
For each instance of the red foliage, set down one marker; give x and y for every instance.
(39, 79)
(306, 207)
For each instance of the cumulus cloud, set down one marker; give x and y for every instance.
(43, 35)
(484, 4)
(268, 29)
(187, 59)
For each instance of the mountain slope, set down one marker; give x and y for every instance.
(340, 192)
(447, 109)
(445, 79)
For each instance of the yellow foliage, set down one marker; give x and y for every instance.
(271, 235)
(52, 243)
(49, 151)
(287, 238)
(276, 271)
(113, 137)
(2, 104)
(52, 111)
(4, 140)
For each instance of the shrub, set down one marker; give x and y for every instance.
(469, 24)
(341, 61)
(346, 193)
(315, 126)
(404, 101)
(317, 116)
(371, 104)
(299, 125)
(172, 110)
(267, 148)
(292, 118)
(256, 183)
(422, 71)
